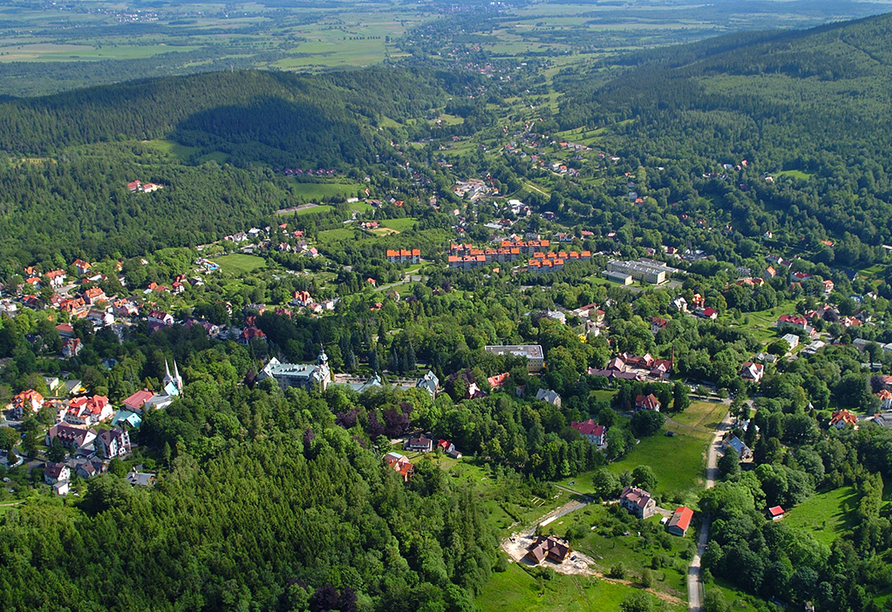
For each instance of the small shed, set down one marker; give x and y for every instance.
(775, 513)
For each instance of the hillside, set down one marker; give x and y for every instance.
(70, 156)
(816, 102)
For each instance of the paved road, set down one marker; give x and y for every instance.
(695, 586)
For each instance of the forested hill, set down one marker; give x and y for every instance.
(252, 116)
(816, 102)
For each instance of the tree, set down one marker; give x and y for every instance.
(729, 465)
(714, 601)
(647, 423)
(606, 484)
(638, 601)
(56, 452)
(680, 399)
(643, 476)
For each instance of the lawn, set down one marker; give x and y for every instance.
(240, 264)
(400, 225)
(333, 235)
(825, 515)
(702, 415)
(678, 462)
(760, 323)
(318, 191)
(516, 590)
(797, 174)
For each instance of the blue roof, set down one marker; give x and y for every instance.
(125, 416)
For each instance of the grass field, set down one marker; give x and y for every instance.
(797, 174)
(400, 225)
(760, 323)
(825, 515)
(702, 415)
(515, 590)
(333, 235)
(678, 462)
(317, 191)
(238, 263)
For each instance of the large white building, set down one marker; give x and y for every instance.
(533, 352)
(301, 375)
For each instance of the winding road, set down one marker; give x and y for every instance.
(695, 585)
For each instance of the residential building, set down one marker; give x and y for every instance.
(593, 432)
(135, 402)
(792, 340)
(56, 472)
(111, 443)
(752, 371)
(843, 418)
(400, 464)
(140, 479)
(647, 402)
(680, 521)
(735, 445)
(638, 502)
(532, 352)
(547, 395)
(88, 410)
(26, 402)
(775, 513)
(549, 548)
(419, 444)
(429, 382)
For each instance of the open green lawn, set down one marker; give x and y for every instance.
(239, 263)
(825, 515)
(678, 461)
(702, 415)
(797, 174)
(515, 591)
(400, 225)
(760, 323)
(317, 191)
(315, 210)
(333, 235)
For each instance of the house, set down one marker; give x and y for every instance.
(429, 382)
(680, 304)
(792, 321)
(135, 402)
(680, 521)
(88, 468)
(885, 397)
(56, 472)
(125, 416)
(56, 278)
(638, 502)
(828, 287)
(658, 323)
(775, 513)
(707, 313)
(26, 402)
(88, 410)
(591, 430)
(400, 464)
(843, 418)
(251, 333)
(65, 330)
(792, 340)
(81, 266)
(549, 548)
(71, 347)
(71, 437)
(161, 318)
(547, 395)
(142, 479)
(752, 371)
(735, 445)
(647, 402)
(421, 444)
(111, 443)
(498, 380)
(449, 448)
(94, 295)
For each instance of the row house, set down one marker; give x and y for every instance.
(527, 247)
(404, 256)
(544, 266)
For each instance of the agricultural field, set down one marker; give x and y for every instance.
(240, 264)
